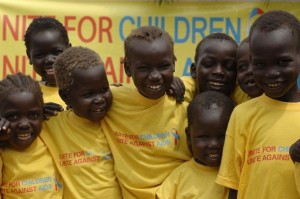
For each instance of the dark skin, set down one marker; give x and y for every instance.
(232, 194)
(5, 131)
(295, 151)
(151, 65)
(51, 109)
(44, 48)
(216, 66)
(244, 72)
(177, 90)
(276, 60)
(24, 112)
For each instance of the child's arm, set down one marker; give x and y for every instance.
(295, 151)
(51, 109)
(177, 90)
(5, 131)
(232, 194)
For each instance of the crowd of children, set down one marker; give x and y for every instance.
(137, 142)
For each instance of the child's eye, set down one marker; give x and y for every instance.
(57, 52)
(207, 63)
(203, 137)
(142, 68)
(258, 65)
(38, 56)
(165, 67)
(104, 90)
(11, 117)
(230, 65)
(86, 95)
(34, 115)
(284, 62)
(241, 67)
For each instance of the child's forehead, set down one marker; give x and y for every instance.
(89, 74)
(46, 35)
(144, 48)
(136, 43)
(21, 100)
(210, 45)
(280, 39)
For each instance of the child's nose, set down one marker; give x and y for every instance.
(24, 124)
(50, 59)
(99, 99)
(219, 69)
(272, 72)
(214, 143)
(155, 75)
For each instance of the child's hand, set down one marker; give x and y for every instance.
(51, 109)
(295, 151)
(5, 131)
(177, 90)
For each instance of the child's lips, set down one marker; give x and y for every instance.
(24, 136)
(49, 71)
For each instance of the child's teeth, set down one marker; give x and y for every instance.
(24, 137)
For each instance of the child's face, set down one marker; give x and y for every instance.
(216, 66)
(244, 72)
(206, 136)
(275, 63)
(89, 96)
(24, 112)
(151, 65)
(45, 46)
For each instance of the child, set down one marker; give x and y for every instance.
(45, 39)
(145, 127)
(244, 71)
(255, 158)
(295, 156)
(208, 116)
(74, 137)
(215, 64)
(28, 170)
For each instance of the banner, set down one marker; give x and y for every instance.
(103, 26)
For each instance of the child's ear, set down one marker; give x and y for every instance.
(28, 55)
(193, 71)
(64, 96)
(126, 67)
(188, 139)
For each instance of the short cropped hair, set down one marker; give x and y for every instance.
(277, 19)
(147, 33)
(216, 36)
(212, 100)
(74, 58)
(41, 24)
(18, 83)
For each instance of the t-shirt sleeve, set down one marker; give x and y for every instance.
(190, 88)
(168, 188)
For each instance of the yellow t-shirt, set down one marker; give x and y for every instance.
(147, 138)
(50, 94)
(256, 159)
(239, 96)
(193, 181)
(30, 173)
(82, 155)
